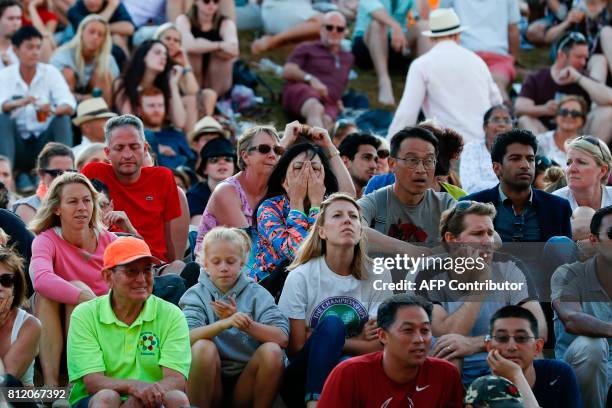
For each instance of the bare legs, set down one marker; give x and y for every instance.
(257, 385)
(378, 45)
(307, 30)
(55, 319)
(314, 113)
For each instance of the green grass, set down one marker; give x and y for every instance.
(366, 81)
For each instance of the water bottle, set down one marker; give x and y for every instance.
(268, 65)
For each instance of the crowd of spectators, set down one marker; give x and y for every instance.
(156, 250)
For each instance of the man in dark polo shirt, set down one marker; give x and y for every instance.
(541, 91)
(317, 73)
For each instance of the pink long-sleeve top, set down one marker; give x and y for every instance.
(56, 262)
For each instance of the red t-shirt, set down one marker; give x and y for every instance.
(149, 203)
(362, 382)
(45, 16)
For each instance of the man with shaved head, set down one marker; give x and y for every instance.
(317, 73)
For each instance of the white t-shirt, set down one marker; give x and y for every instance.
(565, 192)
(487, 23)
(313, 291)
(547, 147)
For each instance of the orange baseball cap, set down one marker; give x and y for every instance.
(124, 250)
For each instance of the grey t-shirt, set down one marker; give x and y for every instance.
(578, 282)
(65, 58)
(383, 211)
(475, 365)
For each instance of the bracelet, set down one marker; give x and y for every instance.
(187, 69)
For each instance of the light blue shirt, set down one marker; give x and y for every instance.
(367, 7)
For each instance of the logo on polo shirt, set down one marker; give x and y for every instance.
(148, 343)
(149, 198)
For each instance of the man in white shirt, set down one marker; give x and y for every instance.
(36, 103)
(10, 22)
(493, 35)
(450, 83)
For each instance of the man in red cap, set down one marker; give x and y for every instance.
(128, 347)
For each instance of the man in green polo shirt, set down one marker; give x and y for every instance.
(128, 348)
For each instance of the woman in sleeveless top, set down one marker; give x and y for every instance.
(19, 331)
(232, 202)
(67, 257)
(211, 40)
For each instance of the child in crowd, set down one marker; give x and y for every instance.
(236, 330)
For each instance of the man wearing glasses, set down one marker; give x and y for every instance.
(514, 345)
(128, 346)
(318, 73)
(541, 91)
(408, 210)
(581, 297)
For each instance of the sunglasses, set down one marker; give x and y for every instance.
(505, 338)
(210, 1)
(383, 153)
(563, 112)
(265, 149)
(132, 273)
(543, 161)
(215, 160)
(331, 27)
(574, 38)
(7, 280)
(57, 172)
(315, 165)
(500, 121)
(594, 141)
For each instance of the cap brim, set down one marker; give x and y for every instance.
(195, 134)
(155, 260)
(82, 119)
(443, 33)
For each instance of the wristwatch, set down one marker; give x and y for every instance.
(307, 78)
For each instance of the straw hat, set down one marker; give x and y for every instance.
(90, 109)
(442, 22)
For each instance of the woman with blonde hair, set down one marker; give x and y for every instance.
(86, 61)
(330, 300)
(198, 103)
(589, 163)
(66, 261)
(232, 202)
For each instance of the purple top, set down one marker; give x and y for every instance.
(209, 221)
(331, 69)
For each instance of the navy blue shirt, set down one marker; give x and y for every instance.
(78, 12)
(556, 385)
(197, 198)
(513, 227)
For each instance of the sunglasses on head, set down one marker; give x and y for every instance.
(572, 38)
(331, 27)
(7, 280)
(265, 149)
(57, 172)
(215, 160)
(594, 141)
(564, 112)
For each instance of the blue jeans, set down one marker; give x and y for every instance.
(309, 368)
